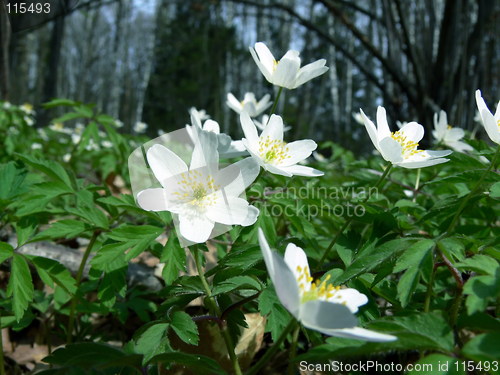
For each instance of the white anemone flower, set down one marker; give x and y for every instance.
(445, 133)
(27, 108)
(202, 114)
(140, 127)
(317, 305)
(249, 104)
(263, 123)
(200, 195)
(226, 147)
(491, 122)
(272, 153)
(400, 147)
(286, 72)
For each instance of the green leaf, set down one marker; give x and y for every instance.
(152, 341)
(481, 290)
(51, 169)
(428, 331)
(372, 258)
(413, 261)
(185, 328)
(6, 251)
(137, 237)
(92, 356)
(174, 258)
(66, 117)
(12, 176)
(277, 317)
(60, 102)
(25, 228)
(485, 347)
(414, 255)
(68, 228)
(110, 257)
(495, 190)
(237, 282)
(113, 284)
(20, 286)
(51, 272)
(200, 364)
(479, 263)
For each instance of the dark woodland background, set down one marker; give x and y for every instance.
(151, 60)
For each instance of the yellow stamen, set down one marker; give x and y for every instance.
(409, 148)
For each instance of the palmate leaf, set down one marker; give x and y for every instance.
(12, 176)
(6, 251)
(20, 286)
(53, 272)
(174, 258)
(185, 328)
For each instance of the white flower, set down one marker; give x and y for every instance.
(7, 105)
(59, 127)
(490, 122)
(400, 148)
(106, 144)
(140, 127)
(29, 121)
(357, 117)
(286, 72)
(201, 114)
(227, 148)
(160, 132)
(400, 124)
(272, 153)
(446, 134)
(201, 196)
(249, 104)
(317, 305)
(263, 123)
(36, 146)
(118, 123)
(66, 158)
(27, 108)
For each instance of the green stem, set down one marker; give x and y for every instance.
(2, 366)
(273, 350)
(346, 224)
(79, 276)
(293, 350)
(214, 309)
(275, 104)
(472, 192)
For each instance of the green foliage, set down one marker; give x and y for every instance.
(431, 278)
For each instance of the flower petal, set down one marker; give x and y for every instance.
(359, 333)
(301, 170)
(248, 171)
(310, 71)
(382, 126)
(391, 150)
(298, 151)
(371, 129)
(154, 200)
(413, 131)
(286, 71)
(264, 59)
(195, 228)
(282, 277)
(233, 103)
(249, 130)
(273, 129)
(349, 297)
(253, 214)
(228, 210)
(164, 163)
(296, 257)
(323, 315)
(421, 164)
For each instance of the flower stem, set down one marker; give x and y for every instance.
(214, 310)
(348, 221)
(472, 192)
(2, 366)
(79, 276)
(275, 104)
(273, 350)
(293, 350)
(428, 294)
